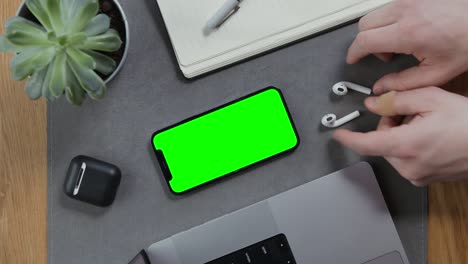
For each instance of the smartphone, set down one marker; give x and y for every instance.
(225, 140)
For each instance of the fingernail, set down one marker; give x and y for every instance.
(371, 102)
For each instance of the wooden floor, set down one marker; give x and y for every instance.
(23, 176)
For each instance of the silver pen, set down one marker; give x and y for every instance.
(223, 13)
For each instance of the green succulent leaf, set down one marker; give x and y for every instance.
(88, 80)
(98, 25)
(54, 11)
(83, 16)
(58, 78)
(22, 32)
(40, 12)
(81, 58)
(52, 37)
(104, 64)
(22, 39)
(68, 8)
(6, 46)
(108, 42)
(77, 39)
(14, 22)
(75, 95)
(34, 85)
(45, 86)
(28, 61)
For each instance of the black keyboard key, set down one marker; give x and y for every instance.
(274, 250)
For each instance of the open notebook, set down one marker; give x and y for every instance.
(258, 26)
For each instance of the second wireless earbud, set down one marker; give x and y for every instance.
(341, 88)
(330, 120)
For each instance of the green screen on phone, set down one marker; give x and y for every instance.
(225, 140)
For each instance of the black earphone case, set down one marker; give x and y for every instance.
(92, 181)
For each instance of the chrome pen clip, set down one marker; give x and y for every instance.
(79, 179)
(229, 15)
(229, 8)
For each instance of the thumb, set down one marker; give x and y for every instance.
(415, 77)
(405, 103)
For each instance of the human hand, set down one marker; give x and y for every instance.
(434, 31)
(423, 133)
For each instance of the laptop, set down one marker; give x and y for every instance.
(339, 218)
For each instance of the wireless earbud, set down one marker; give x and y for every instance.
(330, 120)
(341, 88)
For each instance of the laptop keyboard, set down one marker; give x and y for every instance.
(274, 250)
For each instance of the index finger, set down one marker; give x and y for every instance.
(377, 40)
(383, 16)
(376, 143)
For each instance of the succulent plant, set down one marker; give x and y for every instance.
(62, 54)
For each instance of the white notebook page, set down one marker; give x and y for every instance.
(254, 21)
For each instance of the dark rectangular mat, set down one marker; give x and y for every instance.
(150, 93)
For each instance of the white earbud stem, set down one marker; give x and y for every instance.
(330, 120)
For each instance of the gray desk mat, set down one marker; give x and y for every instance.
(150, 93)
